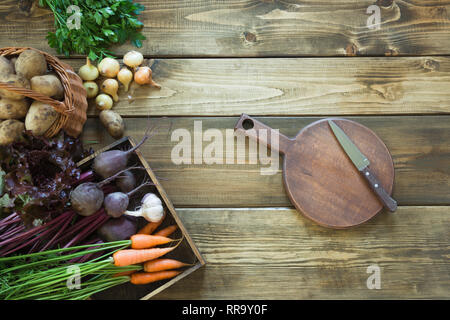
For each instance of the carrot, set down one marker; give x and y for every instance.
(149, 277)
(167, 231)
(145, 241)
(124, 273)
(163, 264)
(152, 226)
(128, 257)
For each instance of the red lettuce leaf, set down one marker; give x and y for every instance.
(40, 173)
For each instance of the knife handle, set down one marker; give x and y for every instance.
(385, 198)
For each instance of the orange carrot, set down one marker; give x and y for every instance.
(128, 257)
(167, 231)
(163, 264)
(152, 226)
(145, 241)
(124, 273)
(149, 277)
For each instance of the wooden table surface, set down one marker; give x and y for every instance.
(289, 63)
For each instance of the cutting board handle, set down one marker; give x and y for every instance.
(263, 134)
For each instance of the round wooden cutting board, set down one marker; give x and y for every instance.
(320, 179)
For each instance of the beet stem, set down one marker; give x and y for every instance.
(51, 226)
(129, 194)
(9, 218)
(79, 225)
(102, 218)
(85, 177)
(13, 230)
(51, 242)
(88, 256)
(147, 135)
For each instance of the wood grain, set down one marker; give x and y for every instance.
(303, 86)
(262, 28)
(278, 254)
(419, 146)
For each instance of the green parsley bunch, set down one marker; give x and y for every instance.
(100, 24)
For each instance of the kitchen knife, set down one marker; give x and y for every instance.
(362, 163)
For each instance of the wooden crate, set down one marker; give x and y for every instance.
(186, 251)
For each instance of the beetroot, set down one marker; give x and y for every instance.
(117, 229)
(110, 162)
(88, 197)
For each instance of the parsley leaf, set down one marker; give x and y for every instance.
(102, 24)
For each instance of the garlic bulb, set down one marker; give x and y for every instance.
(151, 209)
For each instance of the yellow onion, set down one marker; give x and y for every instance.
(103, 102)
(125, 76)
(111, 86)
(88, 72)
(144, 76)
(109, 67)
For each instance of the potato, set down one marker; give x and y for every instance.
(13, 109)
(15, 80)
(13, 63)
(6, 67)
(10, 131)
(40, 117)
(31, 63)
(113, 123)
(49, 85)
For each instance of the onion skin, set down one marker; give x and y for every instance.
(103, 102)
(133, 59)
(111, 86)
(86, 198)
(91, 89)
(144, 76)
(109, 67)
(125, 77)
(88, 72)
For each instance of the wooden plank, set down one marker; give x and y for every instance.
(419, 146)
(302, 86)
(278, 254)
(263, 28)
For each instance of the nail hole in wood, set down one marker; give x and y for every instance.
(247, 124)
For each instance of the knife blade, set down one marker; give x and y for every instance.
(362, 164)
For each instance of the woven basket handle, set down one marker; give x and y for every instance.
(59, 106)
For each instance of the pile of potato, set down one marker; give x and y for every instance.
(27, 70)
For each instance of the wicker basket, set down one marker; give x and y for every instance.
(72, 109)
